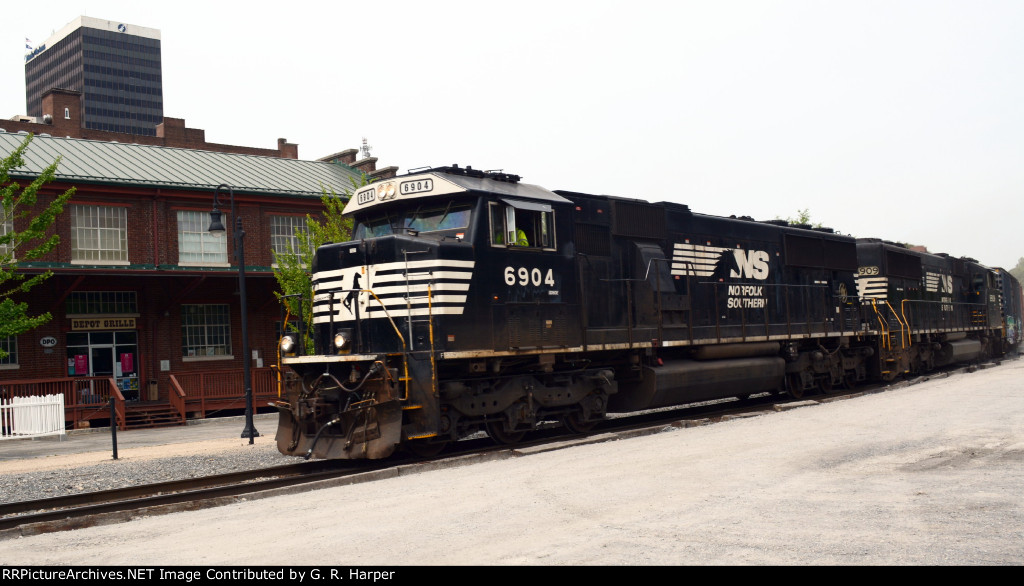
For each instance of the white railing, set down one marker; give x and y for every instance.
(31, 416)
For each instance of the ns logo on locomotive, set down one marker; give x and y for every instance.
(471, 301)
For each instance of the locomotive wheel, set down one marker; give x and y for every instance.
(849, 380)
(796, 385)
(497, 432)
(424, 449)
(574, 423)
(825, 384)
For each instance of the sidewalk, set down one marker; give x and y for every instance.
(99, 439)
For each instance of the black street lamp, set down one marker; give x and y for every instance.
(217, 230)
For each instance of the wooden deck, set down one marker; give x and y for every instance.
(191, 395)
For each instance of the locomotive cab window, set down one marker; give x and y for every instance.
(450, 217)
(522, 224)
(372, 228)
(447, 220)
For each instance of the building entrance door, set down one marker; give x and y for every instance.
(106, 354)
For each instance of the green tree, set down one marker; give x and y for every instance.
(803, 218)
(294, 271)
(32, 242)
(1018, 271)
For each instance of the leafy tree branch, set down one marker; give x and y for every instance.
(294, 271)
(18, 204)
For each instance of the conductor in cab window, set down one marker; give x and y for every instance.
(522, 231)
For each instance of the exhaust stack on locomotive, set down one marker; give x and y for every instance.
(470, 301)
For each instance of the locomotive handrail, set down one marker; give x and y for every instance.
(405, 349)
(903, 333)
(903, 311)
(787, 287)
(808, 325)
(661, 314)
(583, 309)
(387, 314)
(284, 325)
(408, 287)
(885, 326)
(957, 310)
(430, 327)
(333, 292)
(629, 312)
(629, 299)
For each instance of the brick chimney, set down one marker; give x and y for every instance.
(287, 149)
(64, 107)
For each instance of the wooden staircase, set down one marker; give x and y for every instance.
(151, 416)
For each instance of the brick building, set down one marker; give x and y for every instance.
(142, 295)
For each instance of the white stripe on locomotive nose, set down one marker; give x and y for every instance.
(433, 275)
(440, 276)
(402, 312)
(872, 287)
(322, 305)
(421, 288)
(435, 300)
(395, 266)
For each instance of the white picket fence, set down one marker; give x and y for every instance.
(31, 416)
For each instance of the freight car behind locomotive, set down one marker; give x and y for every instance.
(470, 301)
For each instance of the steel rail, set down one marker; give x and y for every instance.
(81, 505)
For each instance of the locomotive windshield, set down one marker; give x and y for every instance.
(421, 220)
(434, 220)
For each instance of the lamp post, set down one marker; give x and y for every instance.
(217, 230)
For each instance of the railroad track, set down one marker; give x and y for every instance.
(119, 505)
(97, 508)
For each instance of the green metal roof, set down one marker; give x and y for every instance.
(157, 166)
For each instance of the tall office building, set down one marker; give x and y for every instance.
(116, 66)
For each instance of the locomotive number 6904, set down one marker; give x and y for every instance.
(525, 276)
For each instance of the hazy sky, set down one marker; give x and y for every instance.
(895, 119)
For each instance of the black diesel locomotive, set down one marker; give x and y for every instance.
(469, 301)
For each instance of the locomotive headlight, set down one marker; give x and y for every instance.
(343, 340)
(288, 344)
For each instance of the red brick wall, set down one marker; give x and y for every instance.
(160, 292)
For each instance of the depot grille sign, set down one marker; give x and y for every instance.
(102, 323)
